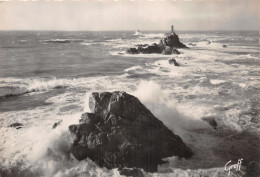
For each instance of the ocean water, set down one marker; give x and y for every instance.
(46, 77)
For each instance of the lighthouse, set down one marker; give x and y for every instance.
(172, 30)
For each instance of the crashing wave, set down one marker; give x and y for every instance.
(35, 85)
(63, 40)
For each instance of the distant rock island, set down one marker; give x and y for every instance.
(166, 46)
(120, 132)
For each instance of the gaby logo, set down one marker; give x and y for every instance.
(236, 166)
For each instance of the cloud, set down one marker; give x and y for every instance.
(129, 15)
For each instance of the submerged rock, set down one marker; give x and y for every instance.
(16, 125)
(173, 61)
(122, 133)
(56, 124)
(211, 121)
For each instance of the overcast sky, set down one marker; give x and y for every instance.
(130, 15)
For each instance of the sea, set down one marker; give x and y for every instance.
(47, 76)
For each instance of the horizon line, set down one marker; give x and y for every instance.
(126, 30)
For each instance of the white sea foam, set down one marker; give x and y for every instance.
(152, 35)
(216, 82)
(43, 85)
(86, 43)
(162, 107)
(63, 40)
(133, 68)
(153, 55)
(114, 40)
(209, 44)
(20, 86)
(48, 150)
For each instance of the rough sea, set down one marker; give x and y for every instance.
(46, 77)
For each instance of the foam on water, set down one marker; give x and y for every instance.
(114, 40)
(86, 43)
(133, 68)
(124, 54)
(216, 82)
(21, 86)
(152, 35)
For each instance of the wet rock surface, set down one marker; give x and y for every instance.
(120, 132)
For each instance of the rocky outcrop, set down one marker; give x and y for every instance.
(172, 40)
(166, 46)
(121, 132)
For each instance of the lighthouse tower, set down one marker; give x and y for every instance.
(172, 30)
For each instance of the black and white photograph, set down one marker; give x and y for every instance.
(129, 88)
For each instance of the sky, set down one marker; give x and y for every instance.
(111, 15)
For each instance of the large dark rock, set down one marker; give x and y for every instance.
(121, 132)
(166, 46)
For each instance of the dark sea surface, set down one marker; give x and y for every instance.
(47, 76)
